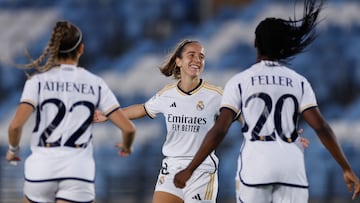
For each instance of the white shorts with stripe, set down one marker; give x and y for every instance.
(275, 193)
(67, 189)
(202, 187)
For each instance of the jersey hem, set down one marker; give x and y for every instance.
(274, 183)
(59, 179)
(112, 111)
(308, 108)
(28, 103)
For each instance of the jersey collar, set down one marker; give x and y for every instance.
(270, 63)
(68, 66)
(193, 91)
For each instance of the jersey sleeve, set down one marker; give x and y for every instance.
(308, 99)
(231, 98)
(30, 94)
(152, 106)
(108, 102)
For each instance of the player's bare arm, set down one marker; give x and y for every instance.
(22, 114)
(211, 141)
(314, 118)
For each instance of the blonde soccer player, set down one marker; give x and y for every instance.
(64, 97)
(189, 106)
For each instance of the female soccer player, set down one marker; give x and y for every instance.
(270, 97)
(61, 166)
(190, 106)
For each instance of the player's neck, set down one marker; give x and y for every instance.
(67, 61)
(264, 58)
(188, 84)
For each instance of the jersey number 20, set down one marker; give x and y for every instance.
(264, 116)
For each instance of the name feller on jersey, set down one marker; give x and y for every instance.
(56, 86)
(186, 123)
(271, 80)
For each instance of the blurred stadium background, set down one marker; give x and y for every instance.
(126, 41)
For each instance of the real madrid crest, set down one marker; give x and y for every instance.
(161, 180)
(200, 105)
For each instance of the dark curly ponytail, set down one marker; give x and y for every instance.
(280, 39)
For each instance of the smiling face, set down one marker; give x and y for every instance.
(192, 60)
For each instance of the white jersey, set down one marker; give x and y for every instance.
(188, 117)
(65, 99)
(270, 97)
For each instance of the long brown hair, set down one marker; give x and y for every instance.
(64, 42)
(170, 68)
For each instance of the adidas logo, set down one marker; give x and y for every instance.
(197, 197)
(173, 105)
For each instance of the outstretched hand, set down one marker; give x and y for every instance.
(304, 142)
(184, 175)
(352, 183)
(181, 178)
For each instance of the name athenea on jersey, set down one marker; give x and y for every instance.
(56, 86)
(186, 123)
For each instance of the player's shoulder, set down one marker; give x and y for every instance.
(40, 76)
(246, 72)
(167, 88)
(294, 74)
(83, 70)
(87, 74)
(213, 88)
(238, 77)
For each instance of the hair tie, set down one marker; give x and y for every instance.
(76, 44)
